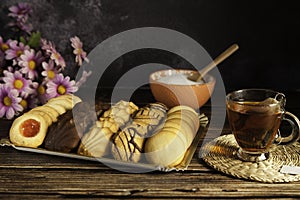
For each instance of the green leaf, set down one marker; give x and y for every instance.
(22, 39)
(34, 40)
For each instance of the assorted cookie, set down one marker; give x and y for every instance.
(167, 146)
(122, 131)
(96, 142)
(30, 129)
(128, 143)
(65, 134)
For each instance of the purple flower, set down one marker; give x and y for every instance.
(46, 46)
(20, 13)
(29, 101)
(49, 70)
(18, 82)
(3, 45)
(31, 75)
(83, 78)
(21, 10)
(22, 25)
(54, 55)
(9, 102)
(58, 59)
(15, 50)
(60, 85)
(24, 102)
(42, 95)
(29, 62)
(78, 50)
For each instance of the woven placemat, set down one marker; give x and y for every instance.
(220, 154)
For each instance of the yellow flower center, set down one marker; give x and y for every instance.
(51, 74)
(4, 47)
(79, 51)
(19, 53)
(24, 103)
(41, 90)
(18, 84)
(31, 65)
(7, 101)
(56, 56)
(61, 89)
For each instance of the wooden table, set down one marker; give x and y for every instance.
(26, 175)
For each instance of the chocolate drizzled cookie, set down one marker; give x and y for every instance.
(128, 143)
(65, 134)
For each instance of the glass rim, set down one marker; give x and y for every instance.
(254, 89)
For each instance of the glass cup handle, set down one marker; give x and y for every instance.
(295, 134)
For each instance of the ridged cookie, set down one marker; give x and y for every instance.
(96, 142)
(167, 147)
(128, 143)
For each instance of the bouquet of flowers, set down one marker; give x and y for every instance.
(31, 69)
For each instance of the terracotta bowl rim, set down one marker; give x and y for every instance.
(211, 78)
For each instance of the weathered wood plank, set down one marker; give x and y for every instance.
(87, 182)
(25, 175)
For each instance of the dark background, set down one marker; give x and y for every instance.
(266, 31)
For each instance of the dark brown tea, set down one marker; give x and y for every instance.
(254, 124)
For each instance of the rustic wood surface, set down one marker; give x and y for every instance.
(25, 175)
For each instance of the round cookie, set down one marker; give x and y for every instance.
(28, 130)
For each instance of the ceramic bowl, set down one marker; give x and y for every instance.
(172, 88)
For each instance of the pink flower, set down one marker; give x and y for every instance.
(78, 50)
(60, 85)
(42, 95)
(32, 101)
(31, 67)
(15, 50)
(49, 70)
(20, 13)
(24, 103)
(18, 82)
(47, 46)
(21, 10)
(23, 26)
(29, 62)
(83, 78)
(39, 96)
(54, 55)
(3, 45)
(9, 102)
(58, 59)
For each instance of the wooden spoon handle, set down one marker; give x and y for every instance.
(217, 61)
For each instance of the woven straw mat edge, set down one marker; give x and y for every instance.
(220, 154)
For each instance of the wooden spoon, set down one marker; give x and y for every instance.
(199, 76)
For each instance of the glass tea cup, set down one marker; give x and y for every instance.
(255, 116)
